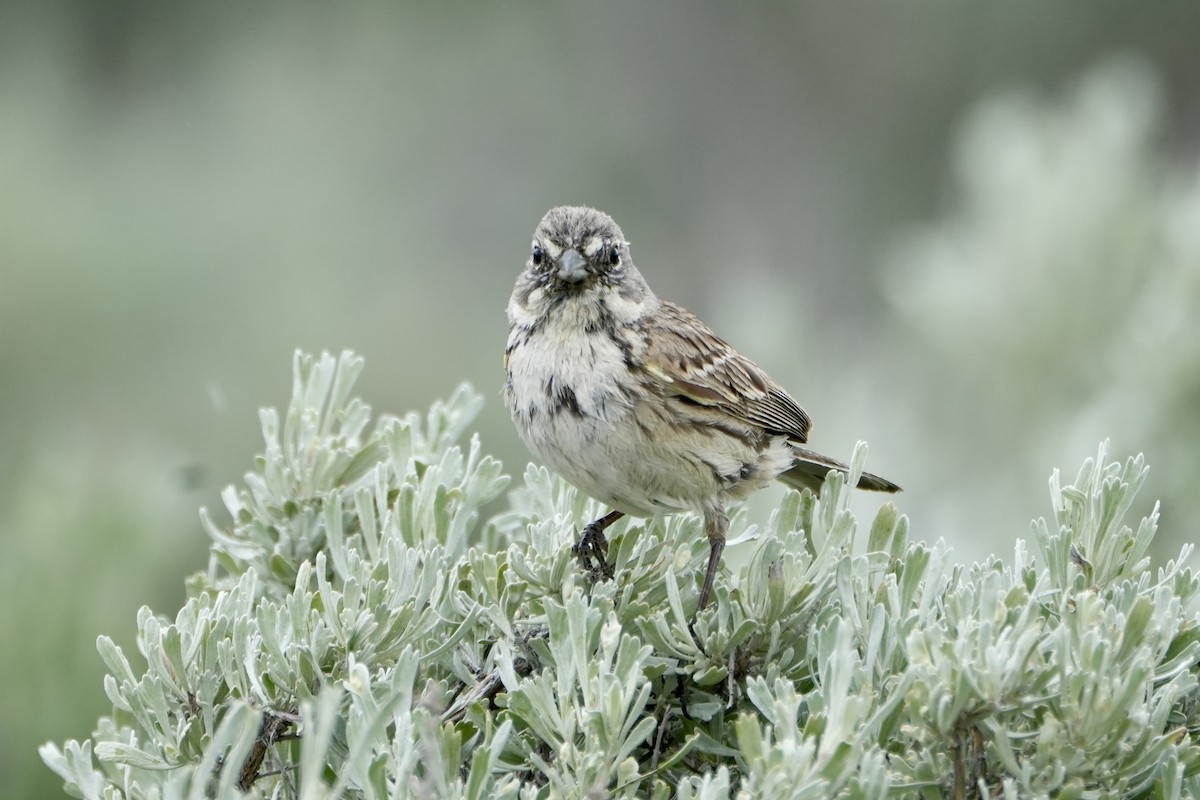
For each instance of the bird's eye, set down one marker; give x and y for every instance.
(536, 256)
(614, 254)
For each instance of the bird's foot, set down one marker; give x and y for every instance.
(591, 550)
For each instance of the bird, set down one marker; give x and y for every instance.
(637, 402)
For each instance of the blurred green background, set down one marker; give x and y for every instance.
(969, 234)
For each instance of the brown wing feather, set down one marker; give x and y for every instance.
(691, 361)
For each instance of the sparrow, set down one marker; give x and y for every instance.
(634, 400)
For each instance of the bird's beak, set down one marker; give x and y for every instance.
(572, 267)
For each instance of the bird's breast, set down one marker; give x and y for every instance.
(556, 371)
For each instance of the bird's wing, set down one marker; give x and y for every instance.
(687, 360)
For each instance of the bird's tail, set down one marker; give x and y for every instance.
(810, 470)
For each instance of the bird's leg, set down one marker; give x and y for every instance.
(716, 523)
(716, 546)
(592, 547)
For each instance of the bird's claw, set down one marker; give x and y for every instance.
(591, 550)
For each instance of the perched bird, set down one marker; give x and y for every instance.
(634, 400)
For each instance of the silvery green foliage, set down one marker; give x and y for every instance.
(360, 633)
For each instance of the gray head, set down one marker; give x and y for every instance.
(579, 272)
(575, 246)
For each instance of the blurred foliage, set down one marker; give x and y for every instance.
(1059, 300)
(81, 549)
(192, 191)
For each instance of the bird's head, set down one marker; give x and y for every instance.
(579, 271)
(575, 247)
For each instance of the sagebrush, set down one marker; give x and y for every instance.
(361, 631)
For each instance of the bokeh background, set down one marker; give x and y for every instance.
(966, 233)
